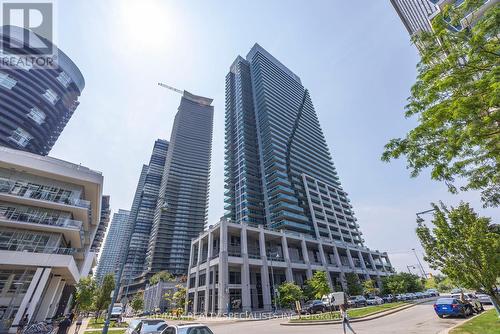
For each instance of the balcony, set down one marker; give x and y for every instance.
(234, 250)
(33, 191)
(19, 246)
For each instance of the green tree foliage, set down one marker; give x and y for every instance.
(137, 302)
(102, 298)
(289, 292)
(318, 285)
(456, 101)
(369, 287)
(354, 287)
(85, 291)
(402, 283)
(463, 246)
(161, 276)
(179, 297)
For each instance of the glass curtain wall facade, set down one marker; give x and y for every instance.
(116, 241)
(143, 210)
(181, 212)
(273, 138)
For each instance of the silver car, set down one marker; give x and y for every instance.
(187, 329)
(146, 326)
(484, 298)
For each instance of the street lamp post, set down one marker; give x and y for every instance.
(412, 267)
(272, 278)
(424, 275)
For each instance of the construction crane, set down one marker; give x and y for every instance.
(171, 88)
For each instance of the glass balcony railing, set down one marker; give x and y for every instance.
(234, 250)
(33, 248)
(25, 217)
(35, 191)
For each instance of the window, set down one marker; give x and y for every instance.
(37, 115)
(64, 79)
(234, 277)
(21, 137)
(50, 96)
(6, 81)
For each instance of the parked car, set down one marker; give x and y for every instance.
(456, 290)
(187, 329)
(313, 307)
(146, 326)
(389, 298)
(433, 292)
(356, 301)
(116, 312)
(411, 296)
(400, 297)
(374, 301)
(451, 307)
(472, 300)
(419, 295)
(484, 298)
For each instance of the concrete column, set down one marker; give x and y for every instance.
(246, 302)
(48, 298)
(363, 265)
(197, 277)
(339, 264)
(37, 294)
(372, 262)
(349, 257)
(57, 299)
(264, 272)
(27, 297)
(325, 264)
(288, 271)
(223, 270)
(208, 272)
(307, 261)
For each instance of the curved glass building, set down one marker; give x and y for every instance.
(35, 103)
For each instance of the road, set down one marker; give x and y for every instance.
(419, 319)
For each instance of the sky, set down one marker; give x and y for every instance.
(355, 57)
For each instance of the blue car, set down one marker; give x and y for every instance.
(451, 307)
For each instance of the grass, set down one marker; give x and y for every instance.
(486, 323)
(99, 323)
(353, 313)
(111, 331)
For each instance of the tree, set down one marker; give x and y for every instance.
(102, 297)
(456, 101)
(463, 246)
(137, 302)
(401, 283)
(161, 276)
(353, 285)
(179, 296)
(318, 284)
(369, 287)
(289, 292)
(85, 291)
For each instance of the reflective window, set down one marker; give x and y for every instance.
(6, 81)
(21, 137)
(37, 115)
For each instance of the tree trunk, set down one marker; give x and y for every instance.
(495, 299)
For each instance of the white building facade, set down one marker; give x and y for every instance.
(238, 267)
(49, 215)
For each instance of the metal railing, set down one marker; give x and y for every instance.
(25, 217)
(13, 245)
(7, 187)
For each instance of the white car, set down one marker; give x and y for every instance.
(374, 301)
(471, 299)
(484, 298)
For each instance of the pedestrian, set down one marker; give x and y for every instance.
(345, 319)
(64, 325)
(22, 323)
(79, 321)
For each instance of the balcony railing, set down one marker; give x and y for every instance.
(24, 217)
(234, 250)
(25, 247)
(9, 187)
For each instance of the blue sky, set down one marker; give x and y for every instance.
(355, 57)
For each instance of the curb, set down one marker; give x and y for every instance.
(366, 318)
(447, 330)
